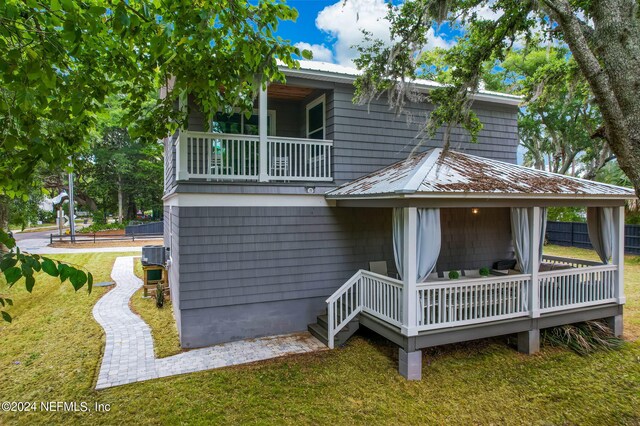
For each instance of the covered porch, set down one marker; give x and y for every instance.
(425, 305)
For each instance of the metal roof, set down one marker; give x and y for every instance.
(325, 71)
(437, 173)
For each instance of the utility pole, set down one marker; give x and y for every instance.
(72, 224)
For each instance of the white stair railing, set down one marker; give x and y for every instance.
(373, 293)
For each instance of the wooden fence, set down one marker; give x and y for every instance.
(575, 234)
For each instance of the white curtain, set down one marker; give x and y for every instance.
(521, 223)
(520, 237)
(398, 238)
(428, 241)
(601, 231)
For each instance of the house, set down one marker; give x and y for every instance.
(274, 221)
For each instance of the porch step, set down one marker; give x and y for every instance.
(319, 330)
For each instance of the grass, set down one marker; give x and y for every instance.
(59, 347)
(163, 326)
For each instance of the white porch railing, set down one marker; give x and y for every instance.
(472, 301)
(574, 288)
(373, 293)
(220, 156)
(574, 263)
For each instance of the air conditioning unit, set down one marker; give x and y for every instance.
(153, 255)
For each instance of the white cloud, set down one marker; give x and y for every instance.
(320, 51)
(344, 23)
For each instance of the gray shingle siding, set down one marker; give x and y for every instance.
(251, 255)
(171, 240)
(473, 241)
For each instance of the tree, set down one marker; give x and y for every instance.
(62, 58)
(603, 37)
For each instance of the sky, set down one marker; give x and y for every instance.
(329, 28)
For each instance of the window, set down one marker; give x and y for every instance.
(316, 119)
(237, 123)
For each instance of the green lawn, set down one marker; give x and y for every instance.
(52, 352)
(163, 327)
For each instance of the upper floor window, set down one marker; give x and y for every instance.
(316, 118)
(238, 123)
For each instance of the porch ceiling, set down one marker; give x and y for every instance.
(452, 174)
(292, 93)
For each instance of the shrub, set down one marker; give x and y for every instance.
(454, 275)
(100, 227)
(484, 272)
(99, 217)
(160, 294)
(583, 338)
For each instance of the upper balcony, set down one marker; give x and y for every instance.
(284, 140)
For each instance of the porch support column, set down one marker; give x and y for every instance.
(409, 268)
(617, 258)
(262, 132)
(181, 157)
(534, 261)
(410, 364)
(529, 341)
(617, 255)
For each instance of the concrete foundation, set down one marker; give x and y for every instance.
(529, 341)
(410, 364)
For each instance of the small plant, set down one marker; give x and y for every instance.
(160, 294)
(583, 338)
(454, 275)
(484, 272)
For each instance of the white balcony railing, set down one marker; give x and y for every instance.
(230, 157)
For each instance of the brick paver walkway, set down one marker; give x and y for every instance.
(129, 357)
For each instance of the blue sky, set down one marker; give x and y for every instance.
(330, 27)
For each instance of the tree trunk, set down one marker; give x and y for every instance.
(4, 212)
(120, 195)
(615, 43)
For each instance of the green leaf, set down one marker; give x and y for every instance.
(9, 301)
(30, 282)
(307, 54)
(65, 272)
(7, 261)
(49, 267)
(12, 275)
(6, 316)
(7, 240)
(78, 279)
(90, 281)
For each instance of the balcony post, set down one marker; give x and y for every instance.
(262, 132)
(617, 257)
(409, 267)
(534, 260)
(182, 172)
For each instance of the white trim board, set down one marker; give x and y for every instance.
(247, 200)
